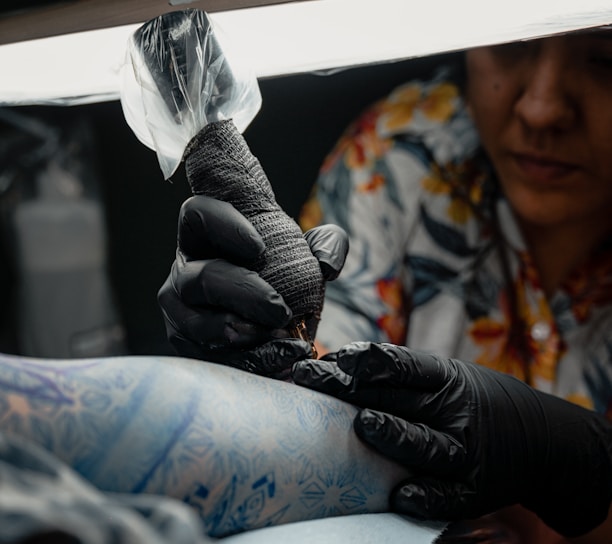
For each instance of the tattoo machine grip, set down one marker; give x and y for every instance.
(219, 164)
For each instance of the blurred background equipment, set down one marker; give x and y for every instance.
(55, 235)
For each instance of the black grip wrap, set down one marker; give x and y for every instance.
(219, 164)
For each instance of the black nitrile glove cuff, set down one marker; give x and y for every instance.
(576, 505)
(475, 440)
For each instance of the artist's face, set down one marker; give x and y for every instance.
(544, 112)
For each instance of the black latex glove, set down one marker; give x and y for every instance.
(218, 310)
(476, 440)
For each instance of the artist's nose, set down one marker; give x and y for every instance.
(547, 99)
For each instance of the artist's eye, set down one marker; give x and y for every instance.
(599, 67)
(597, 49)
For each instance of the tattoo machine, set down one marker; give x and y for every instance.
(185, 96)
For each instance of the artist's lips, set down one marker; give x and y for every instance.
(541, 168)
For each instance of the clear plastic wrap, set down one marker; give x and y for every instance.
(180, 74)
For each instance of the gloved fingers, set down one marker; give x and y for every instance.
(330, 245)
(414, 445)
(209, 228)
(330, 356)
(234, 289)
(433, 499)
(273, 359)
(325, 376)
(373, 363)
(322, 375)
(184, 347)
(409, 404)
(208, 328)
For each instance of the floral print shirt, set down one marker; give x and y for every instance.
(428, 268)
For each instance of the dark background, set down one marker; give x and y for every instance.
(301, 118)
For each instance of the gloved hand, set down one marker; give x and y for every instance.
(476, 440)
(218, 310)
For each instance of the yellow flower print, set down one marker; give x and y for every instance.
(456, 181)
(399, 110)
(439, 105)
(459, 211)
(408, 94)
(497, 352)
(435, 183)
(500, 349)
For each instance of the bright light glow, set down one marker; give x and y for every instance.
(317, 35)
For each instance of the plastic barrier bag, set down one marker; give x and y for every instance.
(208, 83)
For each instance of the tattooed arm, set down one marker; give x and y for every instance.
(245, 451)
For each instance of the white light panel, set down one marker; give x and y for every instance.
(313, 36)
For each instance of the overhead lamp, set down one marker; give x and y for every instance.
(282, 39)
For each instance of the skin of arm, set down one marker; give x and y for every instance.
(244, 451)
